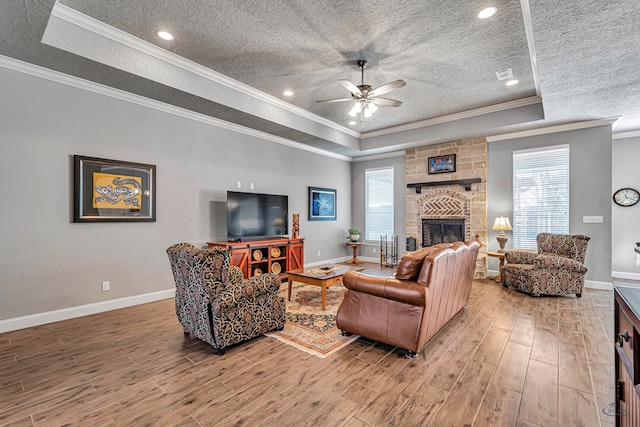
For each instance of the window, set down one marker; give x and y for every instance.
(378, 203)
(540, 194)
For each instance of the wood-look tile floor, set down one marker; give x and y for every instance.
(506, 359)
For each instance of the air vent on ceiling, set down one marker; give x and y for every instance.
(505, 74)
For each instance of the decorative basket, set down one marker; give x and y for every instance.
(275, 252)
(257, 254)
(275, 268)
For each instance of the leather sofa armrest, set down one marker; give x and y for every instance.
(560, 263)
(391, 288)
(521, 256)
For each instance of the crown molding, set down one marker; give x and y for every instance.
(379, 156)
(74, 17)
(624, 135)
(523, 102)
(553, 129)
(58, 77)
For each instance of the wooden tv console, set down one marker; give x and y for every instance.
(263, 256)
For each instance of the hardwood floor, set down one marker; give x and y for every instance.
(506, 359)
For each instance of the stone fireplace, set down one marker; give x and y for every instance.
(445, 207)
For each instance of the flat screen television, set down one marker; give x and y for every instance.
(252, 216)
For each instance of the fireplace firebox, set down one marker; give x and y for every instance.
(436, 231)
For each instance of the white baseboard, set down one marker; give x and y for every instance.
(369, 259)
(81, 310)
(625, 275)
(593, 284)
(329, 261)
(375, 260)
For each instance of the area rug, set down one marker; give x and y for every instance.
(308, 328)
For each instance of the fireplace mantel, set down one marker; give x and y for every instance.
(466, 183)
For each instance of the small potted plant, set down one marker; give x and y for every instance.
(354, 234)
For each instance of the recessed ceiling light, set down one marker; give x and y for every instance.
(487, 12)
(164, 35)
(288, 93)
(353, 122)
(512, 82)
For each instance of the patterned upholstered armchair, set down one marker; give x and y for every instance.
(557, 268)
(215, 303)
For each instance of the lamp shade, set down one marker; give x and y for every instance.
(502, 223)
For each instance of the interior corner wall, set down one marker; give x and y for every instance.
(371, 249)
(49, 263)
(590, 189)
(625, 228)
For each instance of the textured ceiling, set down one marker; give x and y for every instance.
(581, 53)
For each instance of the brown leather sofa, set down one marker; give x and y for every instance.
(431, 285)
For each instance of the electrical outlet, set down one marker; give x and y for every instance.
(238, 184)
(105, 286)
(251, 186)
(318, 253)
(374, 250)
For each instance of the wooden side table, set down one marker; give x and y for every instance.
(500, 255)
(355, 247)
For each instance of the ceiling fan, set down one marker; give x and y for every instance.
(366, 96)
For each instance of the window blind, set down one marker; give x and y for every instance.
(378, 203)
(540, 194)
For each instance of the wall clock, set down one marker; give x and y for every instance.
(626, 197)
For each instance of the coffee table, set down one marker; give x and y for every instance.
(313, 276)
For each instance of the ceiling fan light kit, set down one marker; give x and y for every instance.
(366, 96)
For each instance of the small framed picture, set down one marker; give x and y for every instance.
(113, 190)
(442, 164)
(322, 204)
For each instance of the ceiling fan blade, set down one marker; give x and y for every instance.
(397, 84)
(351, 87)
(336, 100)
(386, 102)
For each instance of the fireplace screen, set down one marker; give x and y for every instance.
(436, 231)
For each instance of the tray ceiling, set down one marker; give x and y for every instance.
(574, 60)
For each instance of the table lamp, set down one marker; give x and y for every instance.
(501, 224)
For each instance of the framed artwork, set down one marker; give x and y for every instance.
(113, 191)
(442, 164)
(322, 204)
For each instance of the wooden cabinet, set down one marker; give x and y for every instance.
(296, 255)
(265, 256)
(627, 355)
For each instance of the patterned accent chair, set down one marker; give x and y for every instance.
(215, 303)
(556, 268)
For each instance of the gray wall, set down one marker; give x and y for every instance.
(49, 263)
(625, 221)
(590, 188)
(371, 249)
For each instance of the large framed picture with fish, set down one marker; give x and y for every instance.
(113, 191)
